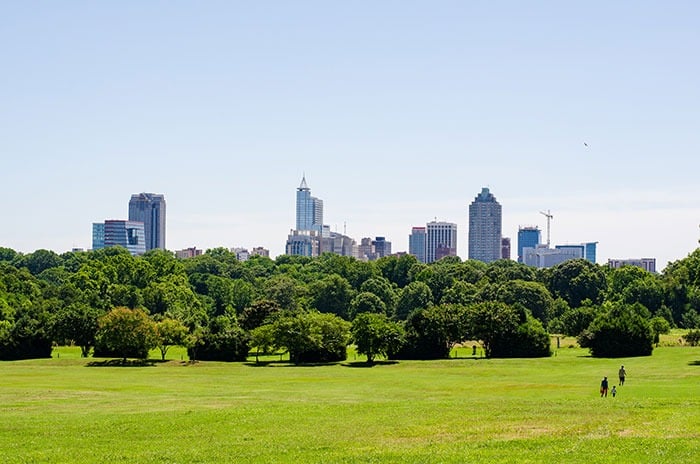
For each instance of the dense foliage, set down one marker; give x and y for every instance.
(220, 308)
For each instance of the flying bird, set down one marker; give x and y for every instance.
(585, 144)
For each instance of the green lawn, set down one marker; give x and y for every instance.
(456, 411)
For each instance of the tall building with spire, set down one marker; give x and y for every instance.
(309, 209)
(149, 208)
(485, 221)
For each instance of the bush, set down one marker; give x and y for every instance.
(692, 337)
(312, 337)
(529, 341)
(622, 331)
(223, 340)
(125, 333)
(27, 338)
(431, 333)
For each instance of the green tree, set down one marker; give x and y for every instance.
(381, 287)
(692, 337)
(505, 270)
(312, 337)
(532, 295)
(332, 294)
(576, 320)
(690, 319)
(438, 278)
(493, 323)
(263, 339)
(396, 269)
(77, 323)
(366, 302)
(259, 313)
(127, 332)
(577, 280)
(170, 332)
(283, 290)
(431, 333)
(375, 334)
(659, 326)
(224, 340)
(416, 295)
(462, 293)
(41, 260)
(621, 331)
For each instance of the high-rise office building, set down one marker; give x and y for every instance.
(485, 227)
(416, 243)
(309, 209)
(113, 232)
(98, 235)
(303, 243)
(442, 236)
(528, 237)
(505, 248)
(149, 208)
(381, 247)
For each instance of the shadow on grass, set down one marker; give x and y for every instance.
(287, 364)
(122, 363)
(694, 363)
(365, 364)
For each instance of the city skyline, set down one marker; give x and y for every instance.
(396, 114)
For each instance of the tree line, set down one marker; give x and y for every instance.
(113, 304)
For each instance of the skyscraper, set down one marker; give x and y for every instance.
(113, 232)
(441, 241)
(149, 208)
(528, 237)
(416, 243)
(381, 247)
(309, 209)
(505, 248)
(485, 227)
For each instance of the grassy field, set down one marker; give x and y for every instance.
(452, 411)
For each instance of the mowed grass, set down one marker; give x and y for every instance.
(452, 411)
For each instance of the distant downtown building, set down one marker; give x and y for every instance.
(188, 253)
(441, 240)
(116, 232)
(416, 243)
(528, 237)
(505, 248)
(309, 209)
(541, 256)
(485, 221)
(149, 208)
(311, 237)
(648, 264)
(587, 250)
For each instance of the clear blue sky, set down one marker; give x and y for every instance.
(397, 111)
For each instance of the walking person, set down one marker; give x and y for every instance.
(613, 392)
(622, 374)
(604, 387)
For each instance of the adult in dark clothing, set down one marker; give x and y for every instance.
(604, 387)
(622, 374)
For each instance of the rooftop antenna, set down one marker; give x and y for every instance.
(549, 217)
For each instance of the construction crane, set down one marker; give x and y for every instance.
(549, 217)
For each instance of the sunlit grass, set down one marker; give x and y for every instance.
(458, 410)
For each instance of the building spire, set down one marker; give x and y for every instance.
(303, 185)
